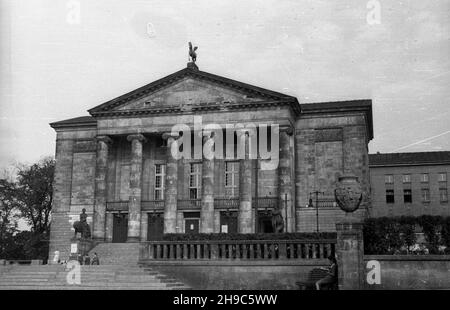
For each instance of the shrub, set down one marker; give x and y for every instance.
(393, 235)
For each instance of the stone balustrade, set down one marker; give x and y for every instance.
(237, 250)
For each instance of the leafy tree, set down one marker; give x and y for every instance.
(35, 193)
(8, 205)
(29, 197)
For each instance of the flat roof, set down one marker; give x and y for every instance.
(409, 159)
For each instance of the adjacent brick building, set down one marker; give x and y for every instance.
(410, 183)
(116, 163)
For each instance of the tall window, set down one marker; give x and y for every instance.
(407, 196)
(406, 178)
(390, 196)
(160, 176)
(231, 178)
(195, 180)
(424, 178)
(388, 179)
(442, 177)
(443, 194)
(425, 195)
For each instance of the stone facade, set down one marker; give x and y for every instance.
(117, 163)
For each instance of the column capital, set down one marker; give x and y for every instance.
(287, 129)
(105, 139)
(137, 136)
(170, 134)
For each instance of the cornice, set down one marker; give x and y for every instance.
(172, 78)
(200, 108)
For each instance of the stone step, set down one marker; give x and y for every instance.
(115, 277)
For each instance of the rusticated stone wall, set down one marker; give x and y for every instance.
(328, 146)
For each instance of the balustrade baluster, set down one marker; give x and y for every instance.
(282, 250)
(191, 251)
(206, 249)
(321, 245)
(271, 248)
(185, 251)
(265, 251)
(230, 251)
(252, 251)
(158, 251)
(245, 251)
(171, 251)
(177, 251)
(199, 250)
(214, 251)
(165, 251)
(222, 253)
(150, 251)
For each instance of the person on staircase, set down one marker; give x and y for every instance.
(95, 260)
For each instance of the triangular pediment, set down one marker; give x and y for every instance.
(190, 91)
(189, 87)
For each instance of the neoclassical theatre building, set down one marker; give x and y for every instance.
(118, 165)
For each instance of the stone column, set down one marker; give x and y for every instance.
(134, 204)
(109, 226)
(245, 216)
(350, 255)
(103, 143)
(285, 178)
(171, 191)
(144, 226)
(207, 211)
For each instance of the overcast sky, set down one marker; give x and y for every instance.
(55, 65)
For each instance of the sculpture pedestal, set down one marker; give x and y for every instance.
(350, 253)
(80, 246)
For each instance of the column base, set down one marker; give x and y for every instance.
(133, 239)
(99, 239)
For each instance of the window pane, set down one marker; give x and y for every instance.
(424, 177)
(158, 194)
(193, 193)
(389, 179)
(425, 194)
(443, 194)
(406, 178)
(390, 196)
(442, 177)
(407, 196)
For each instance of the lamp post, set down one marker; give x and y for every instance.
(317, 206)
(285, 211)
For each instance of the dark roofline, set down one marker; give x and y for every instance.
(360, 105)
(82, 121)
(409, 159)
(189, 71)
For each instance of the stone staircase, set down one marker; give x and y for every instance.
(98, 277)
(126, 254)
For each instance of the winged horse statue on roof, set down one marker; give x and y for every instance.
(192, 52)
